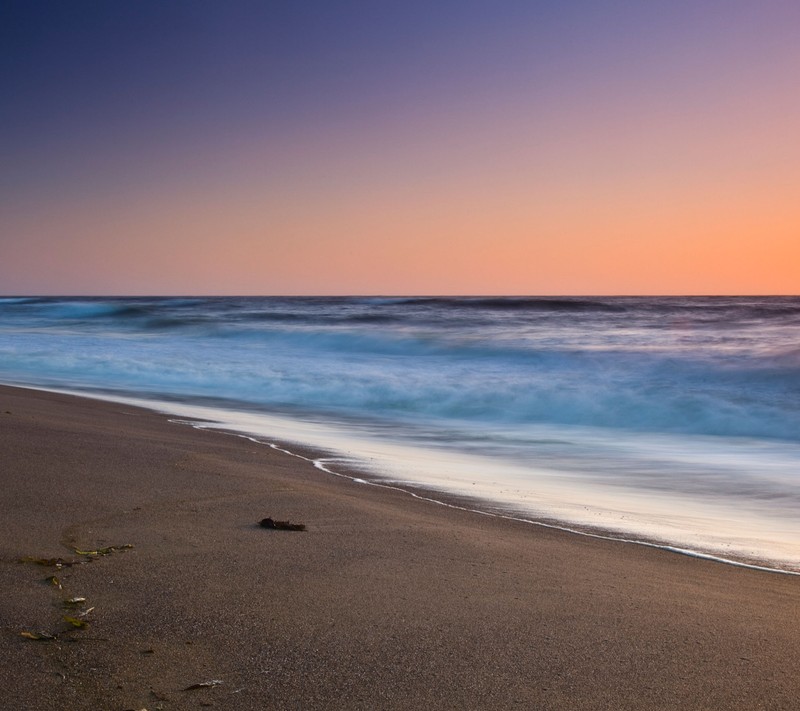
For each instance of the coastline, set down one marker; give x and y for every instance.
(386, 601)
(330, 453)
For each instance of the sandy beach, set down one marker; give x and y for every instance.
(384, 602)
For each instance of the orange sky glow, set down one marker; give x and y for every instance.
(678, 174)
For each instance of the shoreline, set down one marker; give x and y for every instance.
(386, 601)
(318, 456)
(452, 501)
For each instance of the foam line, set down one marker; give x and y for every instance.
(321, 464)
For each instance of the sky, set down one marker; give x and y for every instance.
(436, 147)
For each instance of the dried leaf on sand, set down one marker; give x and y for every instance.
(48, 562)
(108, 550)
(37, 635)
(76, 622)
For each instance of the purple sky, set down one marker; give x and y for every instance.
(409, 147)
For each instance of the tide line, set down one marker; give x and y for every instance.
(322, 464)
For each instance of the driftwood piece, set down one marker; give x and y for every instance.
(281, 525)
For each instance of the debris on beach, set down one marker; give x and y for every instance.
(55, 582)
(39, 636)
(282, 525)
(88, 555)
(76, 622)
(72, 601)
(108, 550)
(204, 685)
(47, 562)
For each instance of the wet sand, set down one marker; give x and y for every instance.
(384, 602)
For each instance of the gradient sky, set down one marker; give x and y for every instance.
(492, 147)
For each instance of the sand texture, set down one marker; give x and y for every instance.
(384, 602)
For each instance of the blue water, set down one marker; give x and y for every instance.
(691, 401)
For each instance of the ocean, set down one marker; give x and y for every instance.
(669, 421)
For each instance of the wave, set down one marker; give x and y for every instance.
(437, 316)
(423, 358)
(397, 380)
(7, 300)
(715, 308)
(513, 303)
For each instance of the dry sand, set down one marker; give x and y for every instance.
(385, 602)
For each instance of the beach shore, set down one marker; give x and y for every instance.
(384, 602)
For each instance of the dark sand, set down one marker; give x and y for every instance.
(385, 602)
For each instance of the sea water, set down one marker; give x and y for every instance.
(669, 420)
